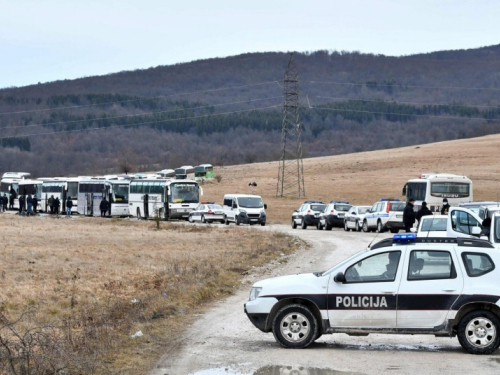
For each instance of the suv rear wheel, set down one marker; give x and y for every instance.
(346, 228)
(380, 227)
(365, 227)
(303, 225)
(294, 224)
(357, 227)
(479, 332)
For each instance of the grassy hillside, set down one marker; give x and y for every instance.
(228, 110)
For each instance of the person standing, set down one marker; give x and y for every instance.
(424, 211)
(103, 207)
(29, 200)
(51, 204)
(57, 204)
(5, 202)
(21, 204)
(409, 215)
(446, 207)
(1, 202)
(12, 197)
(35, 203)
(69, 205)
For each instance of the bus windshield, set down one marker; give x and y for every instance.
(450, 189)
(120, 193)
(250, 202)
(417, 190)
(184, 193)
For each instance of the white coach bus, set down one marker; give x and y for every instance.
(170, 199)
(185, 172)
(91, 192)
(33, 188)
(53, 187)
(433, 188)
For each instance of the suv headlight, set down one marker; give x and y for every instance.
(254, 293)
(243, 212)
(263, 213)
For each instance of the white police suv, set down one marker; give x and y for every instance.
(385, 214)
(407, 285)
(307, 214)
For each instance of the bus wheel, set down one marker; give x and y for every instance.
(139, 214)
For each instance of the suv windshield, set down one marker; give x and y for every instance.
(342, 207)
(250, 202)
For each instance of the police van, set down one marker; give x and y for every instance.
(444, 287)
(385, 214)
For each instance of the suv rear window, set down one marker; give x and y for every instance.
(342, 207)
(397, 206)
(477, 264)
(318, 207)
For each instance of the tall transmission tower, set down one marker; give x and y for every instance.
(291, 171)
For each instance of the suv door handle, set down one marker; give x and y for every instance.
(449, 290)
(389, 292)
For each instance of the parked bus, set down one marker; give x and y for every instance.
(18, 175)
(433, 188)
(204, 172)
(33, 188)
(170, 199)
(53, 187)
(184, 173)
(91, 192)
(166, 173)
(10, 186)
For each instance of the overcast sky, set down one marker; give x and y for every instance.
(47, 40)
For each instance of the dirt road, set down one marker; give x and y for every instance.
(223, 341)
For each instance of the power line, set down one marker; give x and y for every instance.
(401, 114)
(137, 114)
(139, 99)
(140, 123)
(402, 85)
(394, 102)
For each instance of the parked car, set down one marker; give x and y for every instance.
(333, 215)
(432, 226)
(207, 213)
(446, 287)
(307, 214)
(385, 214)
(354, 218)
(476, 207)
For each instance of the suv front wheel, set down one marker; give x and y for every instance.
(295, 326)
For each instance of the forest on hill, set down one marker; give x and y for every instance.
(229, 110)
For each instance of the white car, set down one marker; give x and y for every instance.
(432, 226)
(207, 213)
(444, 287)
(385, 214)
(308, 214)
(333, 215)
(354, 218)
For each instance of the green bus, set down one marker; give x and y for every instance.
(204, 172)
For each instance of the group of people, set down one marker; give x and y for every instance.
(28, 204)
(410, 216)
(4, 202)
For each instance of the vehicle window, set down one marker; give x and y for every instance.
(397, 206)
(227, 202)
(374, 208)
(463, 222)
(477, 264)
(342, 207)
(362, 210)
(417, 190)
(377, 268)
(450, 189)
(317, 207)
(431, 265)
(434, 224)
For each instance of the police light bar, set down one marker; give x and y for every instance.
(404, 237)
(390, 199)
(345, 202)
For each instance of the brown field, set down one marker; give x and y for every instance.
(75, 280)
(364, 178)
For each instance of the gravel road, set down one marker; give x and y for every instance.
(223, 341)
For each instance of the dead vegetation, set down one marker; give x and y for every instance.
(74, 291)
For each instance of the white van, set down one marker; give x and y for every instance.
(244, 208)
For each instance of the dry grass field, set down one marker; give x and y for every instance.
(364, 178)
(72, 291)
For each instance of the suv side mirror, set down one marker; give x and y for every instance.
(475, 231)
(265, 206)
(339, 278)
(369, 210)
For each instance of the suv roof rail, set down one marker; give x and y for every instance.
(466, 242)
(314, 202)
(346, 202)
